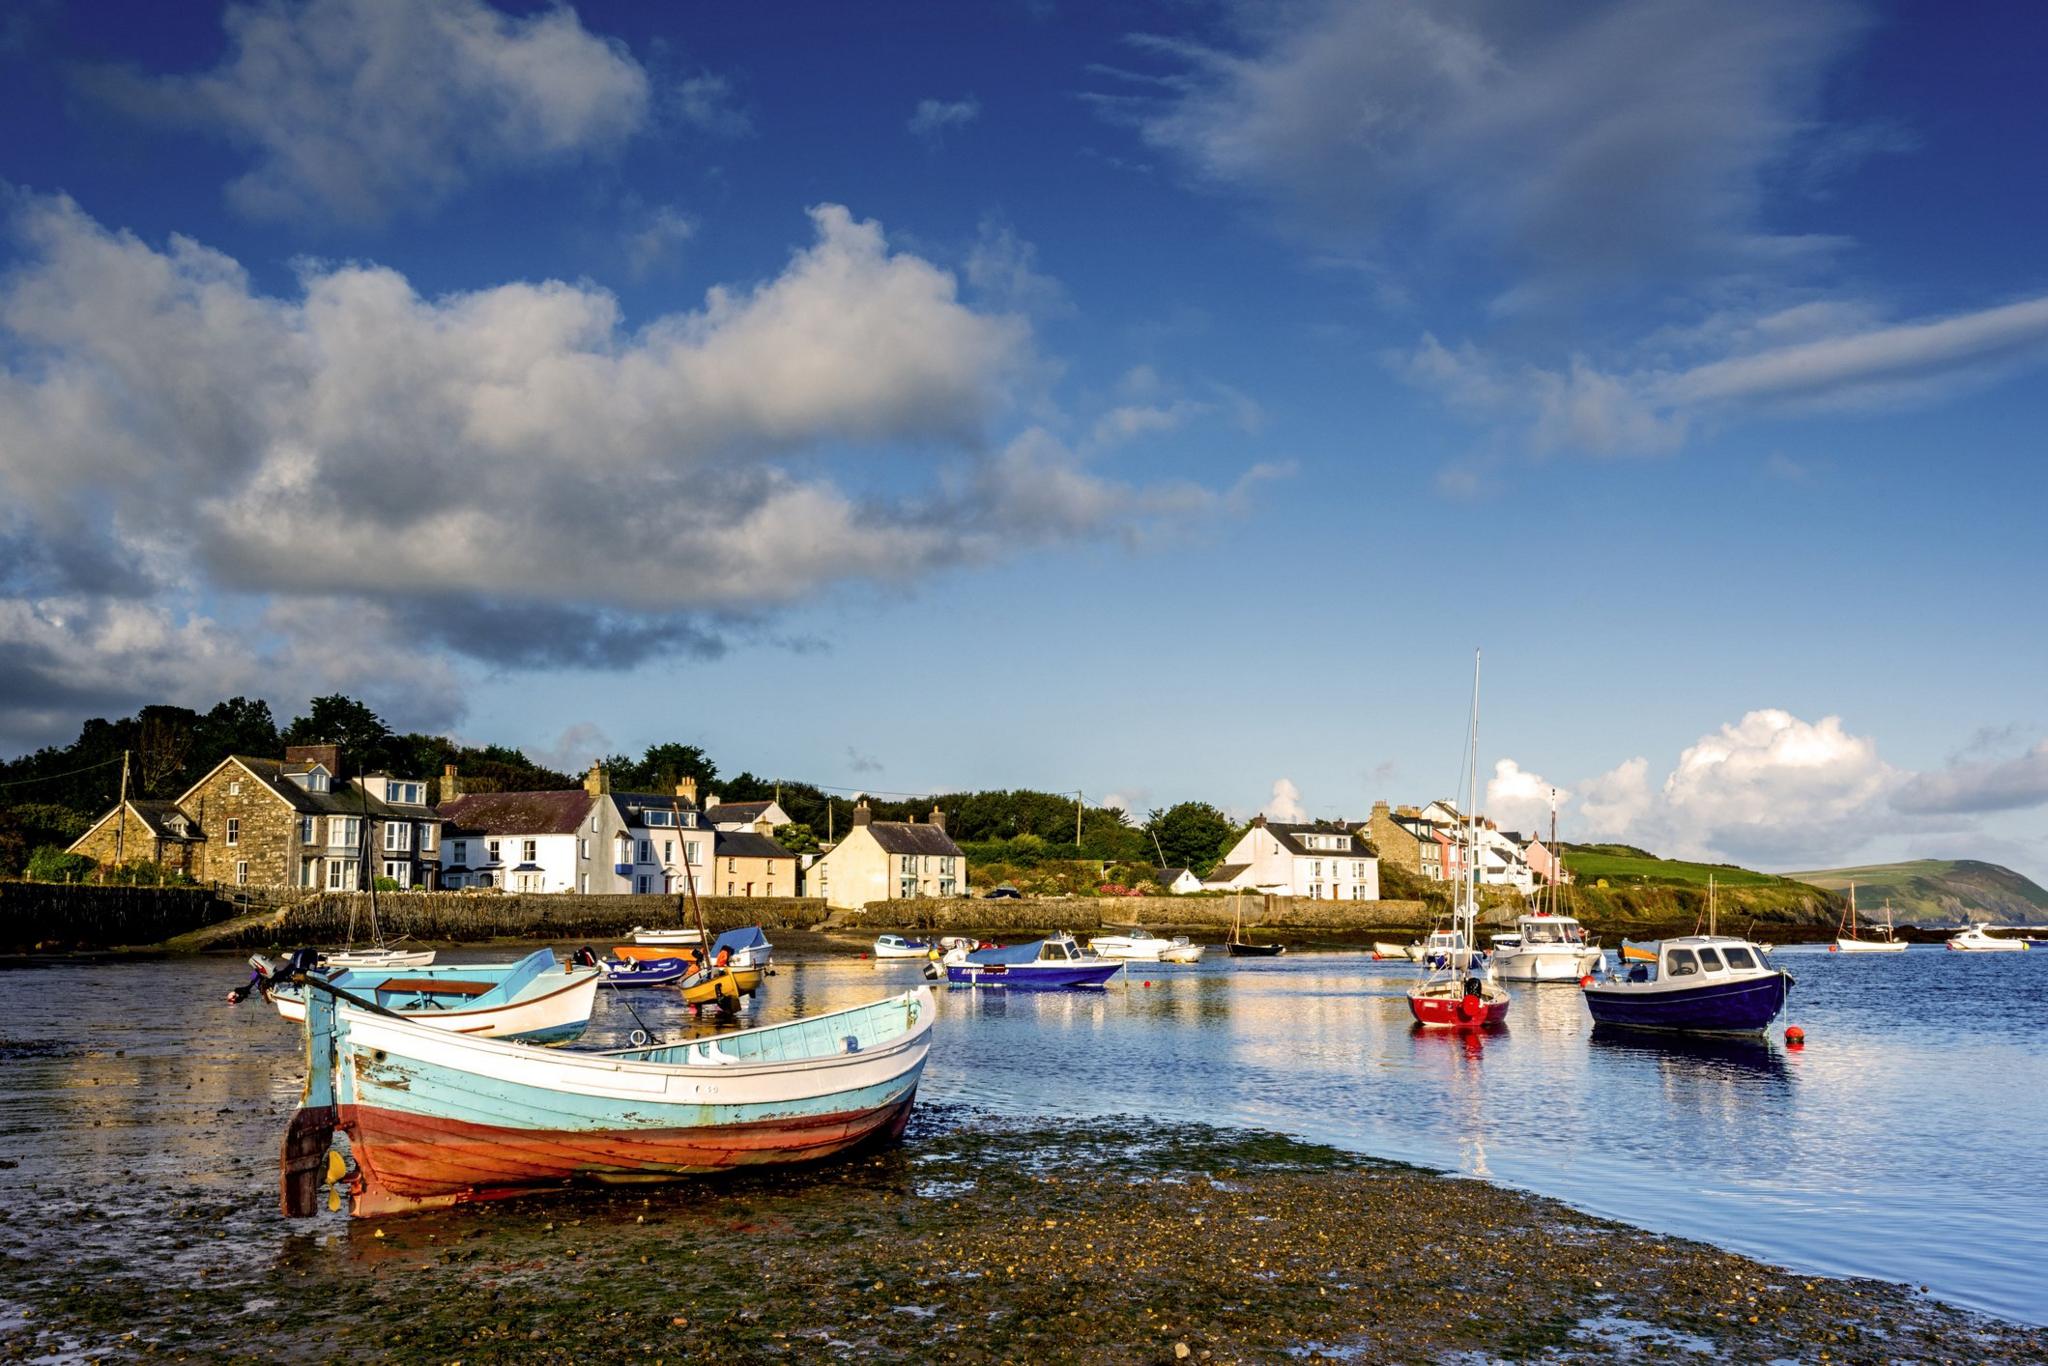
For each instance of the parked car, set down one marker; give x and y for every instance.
(1003, 893)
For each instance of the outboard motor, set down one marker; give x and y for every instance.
(585, 957)
(267, 972)
(1472, 986)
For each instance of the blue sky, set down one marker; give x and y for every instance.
(1160, 401)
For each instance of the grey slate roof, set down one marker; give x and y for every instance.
(746, 844)
(1163, 876)
(742, 812)
(517, 813)
(909, 837)
(156, 815)
(1226, 872)
(1288, 835)
(349, 800)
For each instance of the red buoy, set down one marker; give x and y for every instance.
(1587, 980)
(1148, 983)
(1795, 1037)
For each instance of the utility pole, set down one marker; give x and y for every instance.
(1077, 820)
(120, 821)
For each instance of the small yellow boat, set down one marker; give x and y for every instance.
(722, 987)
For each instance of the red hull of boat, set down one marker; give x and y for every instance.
(1441, 1012)
(409, 1162)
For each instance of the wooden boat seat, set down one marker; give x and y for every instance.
(435, 986)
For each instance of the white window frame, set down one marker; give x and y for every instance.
(397, 837)
(234, 835)
(242, 873)
(529, 851)
(399, 872)
(429, 836)
(344, 832)
(308, 826)
(491, 851)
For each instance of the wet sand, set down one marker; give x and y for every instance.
(972, 1240)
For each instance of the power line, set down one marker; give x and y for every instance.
(53, 777)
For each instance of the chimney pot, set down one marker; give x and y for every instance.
(451, 783)
(938, 817)
(597, 782)
(861, 814)
(687, 790)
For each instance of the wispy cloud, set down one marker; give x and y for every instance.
(935, 119)
(362, 109)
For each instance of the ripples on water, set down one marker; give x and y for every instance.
(1896, 1144)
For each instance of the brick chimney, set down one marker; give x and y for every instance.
(861, 814)
(687, 790)
(1379, 810)
(328, 755)
(938, 818)
(597, 782)
(451, 783)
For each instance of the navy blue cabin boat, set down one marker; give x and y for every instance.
(1701, 984)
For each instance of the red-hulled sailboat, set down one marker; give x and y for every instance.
(1454, 996)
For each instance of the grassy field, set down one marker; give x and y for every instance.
(1622, 865)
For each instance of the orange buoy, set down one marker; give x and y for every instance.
(1795, 1037)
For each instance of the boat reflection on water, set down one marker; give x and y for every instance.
(1470, 1042)
(1705, 1055)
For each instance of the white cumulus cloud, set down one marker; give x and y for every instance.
(1517, 799)
(934, 119)
(1284, 805)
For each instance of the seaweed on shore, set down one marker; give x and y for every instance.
(973, 1240)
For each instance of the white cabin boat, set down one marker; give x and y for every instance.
(1143, 946)
(1977, 939)
(1544, 948)
(896, 946)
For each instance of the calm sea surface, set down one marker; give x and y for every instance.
(1903, 1141)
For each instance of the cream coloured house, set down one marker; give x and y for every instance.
(889, 861)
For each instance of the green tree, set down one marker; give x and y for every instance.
(664, 766)
(239, 725)
(337, 720)
(1191, 835)
(51, 864)
(797, 837)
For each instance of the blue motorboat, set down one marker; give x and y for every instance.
(1699, 984)
(651, 972)
(1047, 964)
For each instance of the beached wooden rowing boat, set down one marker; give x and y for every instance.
(535, 999)
(435, 1118)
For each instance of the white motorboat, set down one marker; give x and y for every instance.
(1977, 939)
(1140, 946)
(1448, 949)
(1847, 940)
(1181, 950)
(896, 946)
(1409, 952)
(1544, 948)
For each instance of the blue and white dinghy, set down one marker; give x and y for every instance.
(1047, 964)
(535, 999)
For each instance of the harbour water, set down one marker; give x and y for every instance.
(1899, 1143)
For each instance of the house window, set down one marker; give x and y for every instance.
(234, 787)
(492, 846)
(529, 850)
(593, 821)
(429, 836)
(907, 885)
(583, 883)
(583, 846)
(341, 874)
(1315, 868)
(399, 872)
(1315, 891)
(305, 830)
(642, 883)
(728, 889)
(462, 851)
(309, 872)
(242, 872)
(343, 830)
(646, 852)
(234, 831)
(690, 852)
(397, 836)
(732, 865)
(946, 886)
(668, 851)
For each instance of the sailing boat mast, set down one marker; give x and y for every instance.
(1472, 820)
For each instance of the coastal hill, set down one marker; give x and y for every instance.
(1940, 892)
(1618, 887)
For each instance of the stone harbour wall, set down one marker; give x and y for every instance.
(459, 917)
(1294, 917)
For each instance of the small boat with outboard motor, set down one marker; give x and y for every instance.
(536, 998)
(436, 1118)
(1052, 963)
(1979, 939)
(1400, 953)
(640, 972)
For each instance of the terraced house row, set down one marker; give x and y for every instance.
(294, 823)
